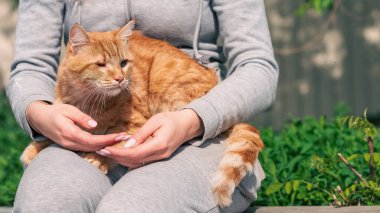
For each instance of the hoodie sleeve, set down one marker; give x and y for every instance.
(251, 82)
(37, 51)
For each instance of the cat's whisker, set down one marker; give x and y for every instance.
(85, 88)
(78, 101)
(87, 95)
(103, 103)
(104, 99)
(76, 93)
(99, 102)
(94, 96)
(93, 103)
(80, 96)
(127, 89)
(88, 100)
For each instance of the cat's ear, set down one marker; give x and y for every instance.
(78, 37)
(126, 31)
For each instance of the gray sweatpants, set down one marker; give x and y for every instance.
(59, 180)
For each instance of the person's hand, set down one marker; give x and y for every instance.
(160, 136)
(58, 122)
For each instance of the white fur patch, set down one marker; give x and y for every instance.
(236, 146)
(232, 160)
(220, 181)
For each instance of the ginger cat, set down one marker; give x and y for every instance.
(122, 78)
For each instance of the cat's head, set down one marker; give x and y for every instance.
(99, 60)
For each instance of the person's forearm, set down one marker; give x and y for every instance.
(236, 99)
(25, 88)
(37, 50)
(252, 75)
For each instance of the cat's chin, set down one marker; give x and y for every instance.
(111, 92)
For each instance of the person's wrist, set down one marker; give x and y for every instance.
(31, 111)
(195, 123)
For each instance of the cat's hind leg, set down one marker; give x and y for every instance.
(32, 150)
(243, 146)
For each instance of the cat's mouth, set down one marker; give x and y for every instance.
(113, 89)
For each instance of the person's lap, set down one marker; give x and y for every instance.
(60, 181)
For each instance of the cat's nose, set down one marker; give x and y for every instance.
(119, 78)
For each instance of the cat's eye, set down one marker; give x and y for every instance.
(100, 64)
(123, 63)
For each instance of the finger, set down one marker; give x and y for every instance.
(74, 146)
(77, 147)
(152, 158)
(118, 154)
(99, 141)
(79, 117)
(132, 165)
(147, 130)
(136, 153)
(76, 134)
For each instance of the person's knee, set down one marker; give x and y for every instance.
(57, 200)
(138, 191)
(155, 189)
(59, 181)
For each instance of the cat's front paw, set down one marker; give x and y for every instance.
(104, 164)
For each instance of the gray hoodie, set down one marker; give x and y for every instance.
(249, 77)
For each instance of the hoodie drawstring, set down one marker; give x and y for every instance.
(201, 59)
(77, 7)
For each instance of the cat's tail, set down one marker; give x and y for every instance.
(243, 146)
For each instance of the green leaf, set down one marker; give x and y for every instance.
(270, 167)
(377, 193)
(350, 121)
(296, 185)
(273, 187)
(309, 186)
(367, 156)
(372, 183)
(288, 187)
(353, 157)
(376, 157)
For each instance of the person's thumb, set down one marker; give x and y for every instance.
(79, 117)
(144, 133)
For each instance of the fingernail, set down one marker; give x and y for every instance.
(92, 123)
(131, 142)
(126, 137)
(103, 152)
(119, 138)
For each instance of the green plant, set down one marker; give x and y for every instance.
(316, 5)
(12, 142)
(303, 168)
(368, 130)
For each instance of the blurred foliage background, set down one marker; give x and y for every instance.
(12, 141)
(303, 168)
